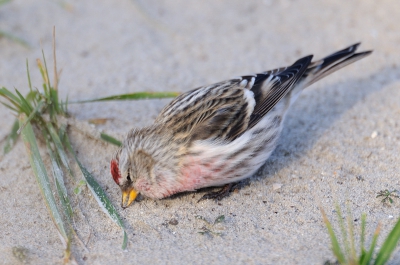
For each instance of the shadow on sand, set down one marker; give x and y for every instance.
(307, 121)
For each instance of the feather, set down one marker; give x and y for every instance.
(225, 110)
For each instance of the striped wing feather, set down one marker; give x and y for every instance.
(225, 110)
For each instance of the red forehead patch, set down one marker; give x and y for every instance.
(115, 171)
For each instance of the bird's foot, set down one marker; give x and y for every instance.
(222, 193)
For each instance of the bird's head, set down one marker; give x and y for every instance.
(132, 171)
(148, 163)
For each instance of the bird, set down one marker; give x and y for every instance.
(216, 135)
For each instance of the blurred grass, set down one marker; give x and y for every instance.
(10, 36)
(2, 2)
(133, 96)
(11, 138)
(110, 139)
(345, 250)
(14, 38)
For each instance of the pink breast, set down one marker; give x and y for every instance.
(196, 174)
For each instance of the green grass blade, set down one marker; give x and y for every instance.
(335, 244)
(60, 185)
(33, 96)
(54, 101)
(363, 253)
(11, 107)
(2, 2)
(350, 225)
(363, 225)
(100, 196)
(62, 134)
(343, 230)
(14, 38)
(65, 105)
(103, 201)
(11, 138)
(40, 173)
(31, 115)
(29, 75)
(59, 146)
(369, 254)
(110, 139)
(389, 245)
(26, 107)
(133, 96)
(4, 92)
(219, 219)
(46, 79)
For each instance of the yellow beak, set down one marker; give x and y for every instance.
(128, 196)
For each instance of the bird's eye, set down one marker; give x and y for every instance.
(128, 177)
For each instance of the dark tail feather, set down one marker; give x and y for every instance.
(332, 63)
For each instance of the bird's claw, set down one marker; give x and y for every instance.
(219, 195)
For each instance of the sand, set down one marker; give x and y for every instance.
(340, 142)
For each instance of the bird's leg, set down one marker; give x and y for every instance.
(222, 193)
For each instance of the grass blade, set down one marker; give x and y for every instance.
(33, 96)
(370, 252)
(134, 96)
(59, 146)
(100, 195)
(46, 78)
(10, 107)
(11, 138)
(389, 245)
(335, 244)
(31, 115)
(54, 101)
(55, 61)
(110, 139)
(42, 178)
(4, 92)
(60, 185)
(343, 230)
(25, 106)
(350, 225)
(2, 2)
(362, 259)
(13, 37)
(219, 219)
(29, 75)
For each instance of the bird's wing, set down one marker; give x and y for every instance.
(227, 109)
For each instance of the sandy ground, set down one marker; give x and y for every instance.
(326, 152)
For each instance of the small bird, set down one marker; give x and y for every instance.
(218, 134)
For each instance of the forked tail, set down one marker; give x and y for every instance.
(321, 68)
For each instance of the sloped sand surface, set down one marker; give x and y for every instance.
(326, 153)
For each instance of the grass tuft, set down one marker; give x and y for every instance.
(39, 114)
(345, 251)
(38, 120)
